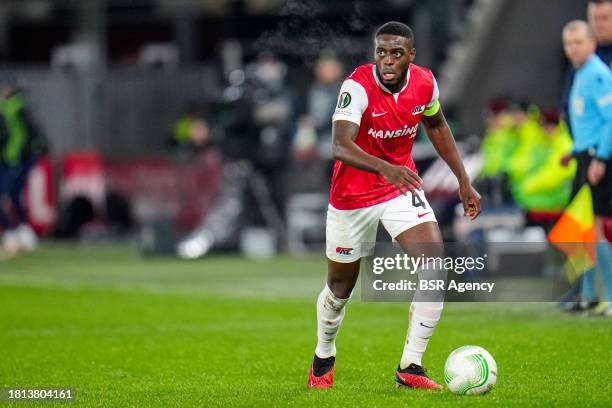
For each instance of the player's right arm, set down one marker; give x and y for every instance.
(345, 128)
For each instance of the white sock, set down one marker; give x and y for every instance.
(330, 312)
(423, 318)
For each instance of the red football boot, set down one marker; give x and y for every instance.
(321, 372)
(414, 376)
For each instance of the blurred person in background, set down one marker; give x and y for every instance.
(500, 139)
(272, 115)
(257, 116)
(547, 186)
(313, 136)
(599, 14)
(21, 145)
(590, 113)
(498, 145)
(530, 138)
(257, 113)
(312, 164)
(272, 110)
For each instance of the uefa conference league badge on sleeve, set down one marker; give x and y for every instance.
(344, 101)
(463, 273)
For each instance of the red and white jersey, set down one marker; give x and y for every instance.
(388, 125)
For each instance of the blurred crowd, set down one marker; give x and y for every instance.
(522, 151)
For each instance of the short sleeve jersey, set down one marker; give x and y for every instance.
(388, 125)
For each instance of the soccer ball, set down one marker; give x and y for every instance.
(470, 370)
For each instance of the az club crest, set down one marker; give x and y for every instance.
(418, 109)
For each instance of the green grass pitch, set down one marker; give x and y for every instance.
(224, 331)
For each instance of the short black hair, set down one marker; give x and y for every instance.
(395, 28)
(600, 1)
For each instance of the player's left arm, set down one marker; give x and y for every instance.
(442, 139)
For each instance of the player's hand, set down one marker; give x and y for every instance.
(470, 200)
(402, 177)
(566, 159)
(596, 171)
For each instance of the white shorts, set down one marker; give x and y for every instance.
(347, 230)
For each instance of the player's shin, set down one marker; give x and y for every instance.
(425, 311)
(423, 318)
(330, 312)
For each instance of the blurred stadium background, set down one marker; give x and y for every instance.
(160, 113)
(201, 129)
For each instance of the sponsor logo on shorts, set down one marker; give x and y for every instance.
(344, 251)
(421, 215)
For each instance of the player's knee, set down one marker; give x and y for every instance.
(341, 290)
(334, 300)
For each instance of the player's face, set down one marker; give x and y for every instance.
(393, 55)
(600, 19)
(578, 46)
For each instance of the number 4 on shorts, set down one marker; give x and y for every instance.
(417, 202)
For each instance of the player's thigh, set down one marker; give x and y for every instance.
(411, 222)
(422, 239)
(347, 232)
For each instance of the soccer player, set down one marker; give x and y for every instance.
(590, 113)
(375, 179)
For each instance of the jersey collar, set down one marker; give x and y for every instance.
(384, 88)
